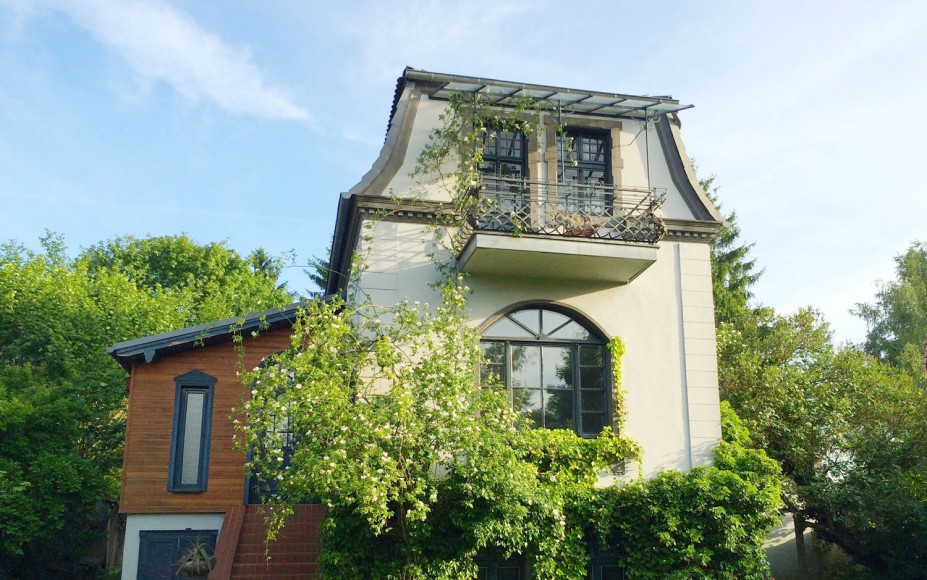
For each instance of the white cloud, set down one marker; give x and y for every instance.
(162, 43)
(436, 32)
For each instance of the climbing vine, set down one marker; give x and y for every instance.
(378, 412)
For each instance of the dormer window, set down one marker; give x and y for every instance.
(584, 157)
(504, 155)
(504, 170)
(554, 366)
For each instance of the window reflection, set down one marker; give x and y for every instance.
(553, 366)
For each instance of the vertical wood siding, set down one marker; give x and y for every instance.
(151, 412)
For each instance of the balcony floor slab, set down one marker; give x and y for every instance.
(532, 256)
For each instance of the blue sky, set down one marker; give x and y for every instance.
(243, 121)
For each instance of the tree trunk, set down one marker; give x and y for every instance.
(115, 536)
(800, 545)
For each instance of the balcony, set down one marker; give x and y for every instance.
(518, 227)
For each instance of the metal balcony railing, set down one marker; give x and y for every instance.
(569, 209)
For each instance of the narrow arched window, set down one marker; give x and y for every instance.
(554, 366)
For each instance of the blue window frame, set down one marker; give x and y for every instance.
(189, 466)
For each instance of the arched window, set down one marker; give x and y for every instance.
(554, 367)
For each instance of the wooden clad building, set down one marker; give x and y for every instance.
(183, 478)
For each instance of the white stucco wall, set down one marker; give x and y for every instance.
(664, 317)
(136, 523)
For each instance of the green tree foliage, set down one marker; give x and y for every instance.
(212, 280)
(709, 522)
(379, 414)
(733, 272)
(319, 269)
(848, 431)
(420, 468)
(897, 321)
(62, 398)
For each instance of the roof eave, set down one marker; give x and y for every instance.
(148, 348)
(598, 103)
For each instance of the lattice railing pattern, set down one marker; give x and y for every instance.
(563, 209)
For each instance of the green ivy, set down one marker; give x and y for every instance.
(423, 470)
(707, 522)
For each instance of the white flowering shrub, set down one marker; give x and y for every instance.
(420, 467)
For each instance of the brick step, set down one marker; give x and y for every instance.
(293, 555)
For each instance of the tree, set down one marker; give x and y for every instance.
(213, 280)
(847, 430)
(897, 320)
(733, 274)
(62, 398)
(319, 269)
(379, 414)
(386, 424)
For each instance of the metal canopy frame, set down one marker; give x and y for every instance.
(502, 93)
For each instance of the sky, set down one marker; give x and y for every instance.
(244, 121)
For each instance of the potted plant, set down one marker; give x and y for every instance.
(197, 561)
(572, 223)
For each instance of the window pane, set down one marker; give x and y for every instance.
(510, 170)
(596, 176)
(530, 318)
(590, 356)
(593, 423)
(558, 367)
(591, 378)
(192, 433)
(528, 403)
(593, 149)
(552, 321)
(572, 331)
(505, 328)
(568, 174)
(526, 366)
(510, 144)
(558, 410)
(566, 149)
(593, 400)
(493, 352)
(509, 572)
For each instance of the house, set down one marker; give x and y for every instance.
(588, 226)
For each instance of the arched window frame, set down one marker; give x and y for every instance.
(544, 338)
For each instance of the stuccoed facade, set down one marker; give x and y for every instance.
(589, 226)
(623, 156)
